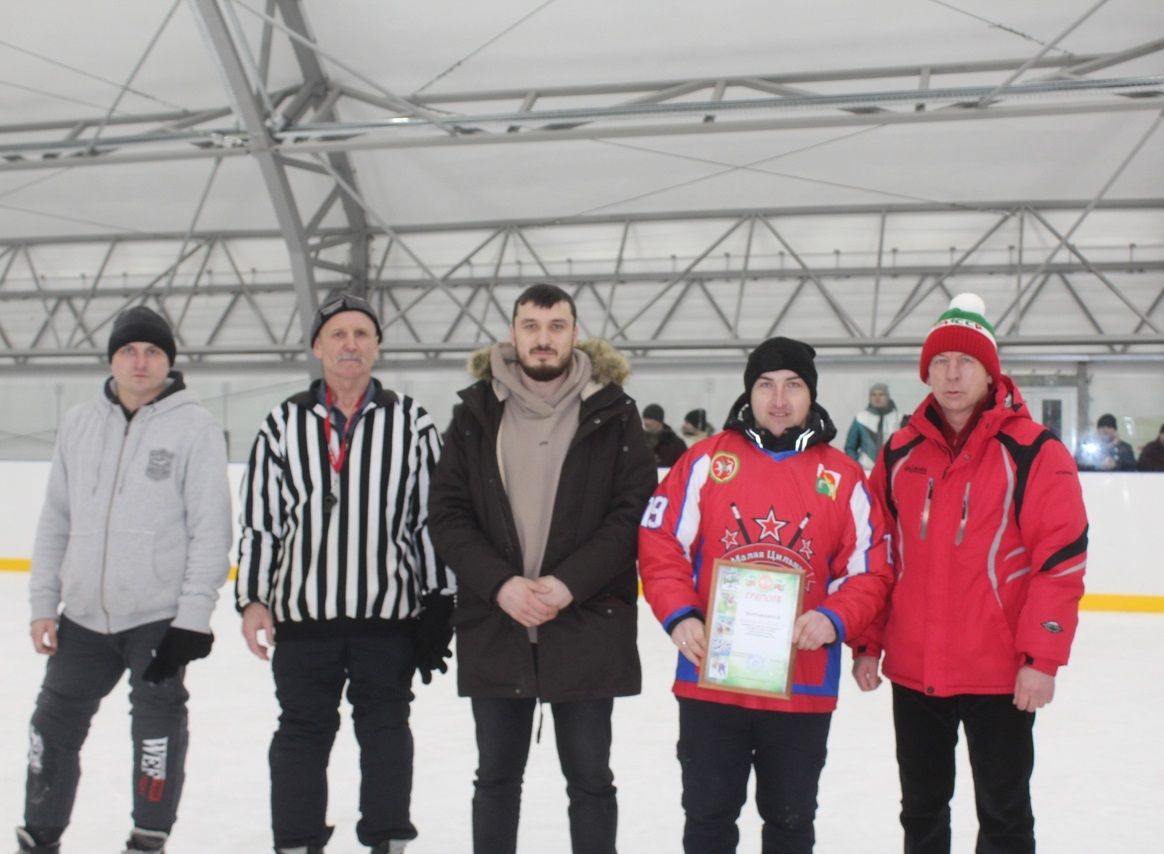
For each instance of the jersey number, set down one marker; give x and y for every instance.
(656, 507)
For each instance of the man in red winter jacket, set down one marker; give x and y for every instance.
(990, 544)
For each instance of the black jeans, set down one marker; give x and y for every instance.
(1002, 755)
(310, 675)
(86, 667)
(719, 745)
(582, 732)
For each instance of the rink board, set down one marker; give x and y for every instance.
(1123, 566)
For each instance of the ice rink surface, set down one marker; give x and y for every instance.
(1098, 785)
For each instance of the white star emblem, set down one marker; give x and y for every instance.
(730, 539)
(806, 549)
(769, 525)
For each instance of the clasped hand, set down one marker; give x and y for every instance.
(533, 601)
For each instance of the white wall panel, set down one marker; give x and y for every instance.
(1127, 540)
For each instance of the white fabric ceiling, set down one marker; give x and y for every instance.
(56, 65)
(73, 61)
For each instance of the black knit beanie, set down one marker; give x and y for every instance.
(697, 418)
(142, 324)
(782, 354)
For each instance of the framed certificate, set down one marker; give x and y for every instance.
(750, 615)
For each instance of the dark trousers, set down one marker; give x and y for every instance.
(310, 675)
(1002, 755)
(582, 732)
(718, 747)
(85, 668)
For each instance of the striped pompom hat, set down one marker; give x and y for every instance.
(962, 328)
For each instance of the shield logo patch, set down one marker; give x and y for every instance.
(160, 463)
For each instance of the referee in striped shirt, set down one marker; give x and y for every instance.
(335, 563)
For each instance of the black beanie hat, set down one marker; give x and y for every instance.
(697, 418)
(653, 411)
(142, 324)
(782, 354)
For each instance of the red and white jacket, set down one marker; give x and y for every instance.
(990, 547)
(729, 498)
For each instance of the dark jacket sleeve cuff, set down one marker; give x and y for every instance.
(679, 616)
(1043, 665)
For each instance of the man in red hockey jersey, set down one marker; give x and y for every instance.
(770, 490)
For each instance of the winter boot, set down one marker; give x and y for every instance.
(38, 840)
(146, 842)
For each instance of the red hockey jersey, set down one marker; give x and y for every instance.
(730, 498)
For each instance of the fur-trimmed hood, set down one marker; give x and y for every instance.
(607, 364)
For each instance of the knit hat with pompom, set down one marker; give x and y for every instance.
(962, 328)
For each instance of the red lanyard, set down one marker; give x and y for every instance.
(337, 460)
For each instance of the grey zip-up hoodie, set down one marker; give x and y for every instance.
(136, 520)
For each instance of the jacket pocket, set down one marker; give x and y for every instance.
(136, 579)
(81, 572)
(985, 656)
(591, 651)
(493, 654)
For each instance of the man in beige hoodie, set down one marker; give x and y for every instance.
(535, 504)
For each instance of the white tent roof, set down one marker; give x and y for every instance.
(853, 129)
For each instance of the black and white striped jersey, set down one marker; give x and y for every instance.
(318, 545)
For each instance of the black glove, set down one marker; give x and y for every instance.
(178, 648)
(434, 633)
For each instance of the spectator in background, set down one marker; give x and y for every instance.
(695, 426)
(665, 446)
(1152, 456)
(1104, 450)
(872, 426)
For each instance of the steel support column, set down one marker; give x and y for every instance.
(274, 173)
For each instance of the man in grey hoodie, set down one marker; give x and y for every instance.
(130, 552)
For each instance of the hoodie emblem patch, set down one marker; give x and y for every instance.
(160, 463)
